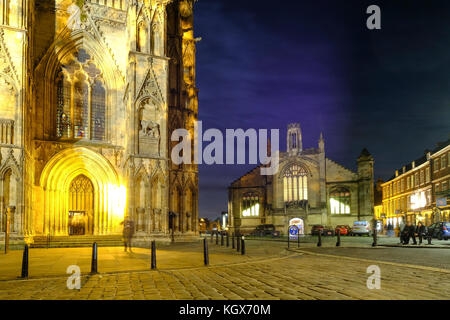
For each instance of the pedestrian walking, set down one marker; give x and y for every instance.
(128, 232)
(401, 228)
(421, 231)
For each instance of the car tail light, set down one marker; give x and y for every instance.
(445, 229)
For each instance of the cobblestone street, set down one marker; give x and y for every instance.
(293, 275)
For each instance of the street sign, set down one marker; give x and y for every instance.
(293, 232)
(441, 202)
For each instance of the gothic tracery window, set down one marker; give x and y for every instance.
(250, 205)
(340, 201)
(81, 100)
(295, 182)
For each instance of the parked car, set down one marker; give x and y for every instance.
(361, 228)
(326, 231)
(344, 229)
(316, 229)
(264, 230)
(439, 230)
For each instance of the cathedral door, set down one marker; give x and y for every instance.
(81, 206)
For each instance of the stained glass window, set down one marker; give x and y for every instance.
(295, 182)
(340, 201)
(98, 111)
(250, 205)
(81, 100)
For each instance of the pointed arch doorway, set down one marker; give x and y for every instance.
(81, 206)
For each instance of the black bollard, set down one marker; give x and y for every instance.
(319, 243)
(289, 240)
(228, 240)
(429, 239)
(154, 254)
(374, 244)
(205, 252)
(25, 263)
(238, 243)
(243, 245)
(212, 237)
(298, 240)
(338, 243)
(94, 258)
(221, 239)
(217, 238)
(232, 242)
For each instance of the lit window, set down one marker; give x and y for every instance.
(436, 165)
(81, 100)
(250, 205)
(340, 201)
(443, 162)
(295, 183)
(427, 175)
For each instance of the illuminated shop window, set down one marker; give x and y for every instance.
(81, 100)
(250, 205)
(340, 201)
(295, 182)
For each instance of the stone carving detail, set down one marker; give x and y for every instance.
(149, 132)
(74, 21)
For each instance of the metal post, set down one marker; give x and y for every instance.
(228, 239)
(205, 252)
(94, 258)
(298, 238)
(243, 245)
(232, 242)
(212, 236)
(319, 243)
(221, 239)
(153, 255)
(217, 237)
(429, 239)
(25, 263)
(238, 243)
(289, 239)
(374, 244)
(338, 243)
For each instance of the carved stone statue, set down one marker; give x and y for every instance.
(150, 128)
(74, 21)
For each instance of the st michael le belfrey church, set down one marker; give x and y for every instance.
(90, 91)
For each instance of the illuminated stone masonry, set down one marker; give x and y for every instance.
(308, 189)
(90, 92)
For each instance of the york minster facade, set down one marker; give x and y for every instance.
(309, 189)
(90, 91)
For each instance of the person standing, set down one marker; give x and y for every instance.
(410, 232)
(401, 228)
(421, 231)
(128, 232)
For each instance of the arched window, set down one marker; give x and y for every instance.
(80, 100)
(340, 201)
(295, 184)
(250, 205)
(142, 36)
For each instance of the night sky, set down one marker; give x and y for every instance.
(264, 64)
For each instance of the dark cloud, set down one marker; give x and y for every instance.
(263, 65)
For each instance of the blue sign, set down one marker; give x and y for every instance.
(442, 202)
(293, 232)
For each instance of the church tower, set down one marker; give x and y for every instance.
(365, 185)
(294, 139)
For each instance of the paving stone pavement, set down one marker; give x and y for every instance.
(298, 276)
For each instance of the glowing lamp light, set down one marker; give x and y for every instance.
(418, 200)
